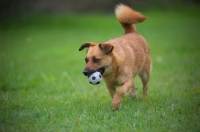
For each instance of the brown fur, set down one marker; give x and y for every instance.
(122, 58)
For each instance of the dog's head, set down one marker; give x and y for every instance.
(98, 58)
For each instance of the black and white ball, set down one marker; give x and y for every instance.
(95, 78)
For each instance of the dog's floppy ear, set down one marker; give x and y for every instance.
(106, 48)
(86, 45)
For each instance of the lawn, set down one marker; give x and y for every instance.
(42, 87)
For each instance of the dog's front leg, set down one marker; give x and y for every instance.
(120, 94)
(112, 90)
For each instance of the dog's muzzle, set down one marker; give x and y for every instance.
(88, 72)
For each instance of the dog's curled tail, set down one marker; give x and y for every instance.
(127, 17)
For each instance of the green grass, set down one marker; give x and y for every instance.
(42, 87)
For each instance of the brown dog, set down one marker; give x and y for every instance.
(121, 59)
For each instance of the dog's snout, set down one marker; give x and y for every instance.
(85, 72)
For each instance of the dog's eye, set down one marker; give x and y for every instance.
(95, 60)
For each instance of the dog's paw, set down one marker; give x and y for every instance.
(116, 102)
(133, 93)
(115, 106)
(117, 109)
(133, 96)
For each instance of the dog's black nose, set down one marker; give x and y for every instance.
(85, 72)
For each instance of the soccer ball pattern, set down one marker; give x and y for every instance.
(95, 78)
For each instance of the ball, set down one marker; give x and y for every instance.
(95, 78)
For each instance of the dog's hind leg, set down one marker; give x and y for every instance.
(144, 75)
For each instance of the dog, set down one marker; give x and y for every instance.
(119, 60)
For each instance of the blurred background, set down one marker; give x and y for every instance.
(15, 7)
